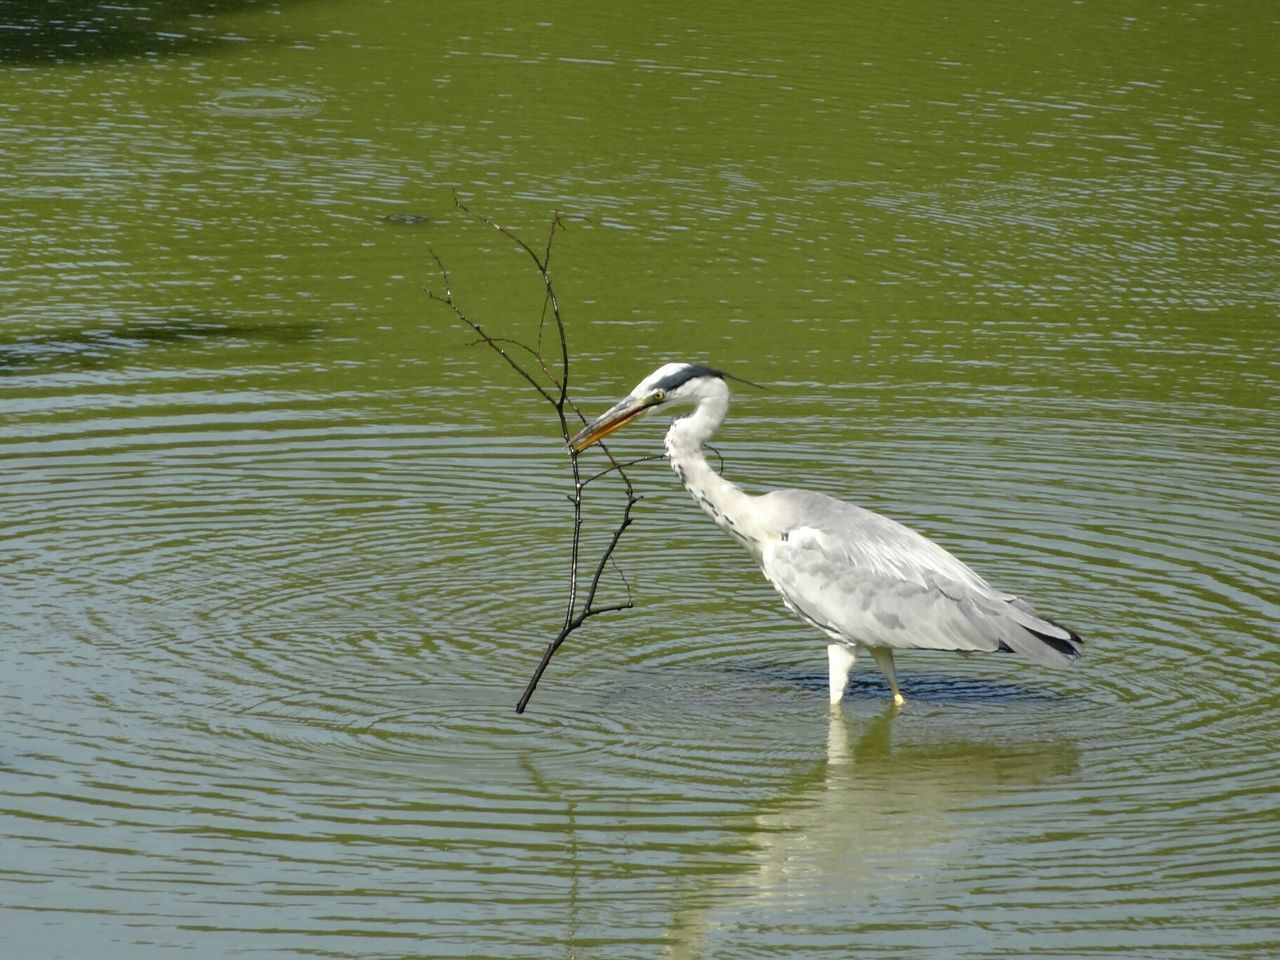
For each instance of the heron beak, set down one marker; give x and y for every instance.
(617, 416)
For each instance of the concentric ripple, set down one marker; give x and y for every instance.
(279, 550)
(266, 102)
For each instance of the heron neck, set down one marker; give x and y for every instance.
(723, 501)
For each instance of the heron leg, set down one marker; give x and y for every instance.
(884, 660)
(840, 662)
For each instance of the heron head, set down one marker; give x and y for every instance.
(670, 383)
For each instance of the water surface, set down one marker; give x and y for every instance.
(280, 547)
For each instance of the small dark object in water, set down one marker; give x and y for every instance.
(409, 218)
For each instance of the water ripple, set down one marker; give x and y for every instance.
(266, 103)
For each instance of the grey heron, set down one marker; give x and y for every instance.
(861, 578)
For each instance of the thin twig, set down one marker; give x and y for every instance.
(448, 300)
(617, 467)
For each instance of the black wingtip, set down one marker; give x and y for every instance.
(1069, 648)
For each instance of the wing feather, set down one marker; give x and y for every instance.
(863, 577)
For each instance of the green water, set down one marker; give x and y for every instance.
(280, 547)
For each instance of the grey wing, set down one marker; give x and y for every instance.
(865, 578)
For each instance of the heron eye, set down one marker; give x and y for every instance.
(659, 396)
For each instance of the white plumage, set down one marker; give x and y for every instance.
(861, 578)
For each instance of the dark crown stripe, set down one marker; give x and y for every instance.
(691, 371)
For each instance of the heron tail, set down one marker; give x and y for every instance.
(1054, 644)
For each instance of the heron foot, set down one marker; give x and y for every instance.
(884, 660)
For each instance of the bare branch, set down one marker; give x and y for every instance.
(617, 467)
(577, 609)
(448, 300)
(550, 300)
(588, 610)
